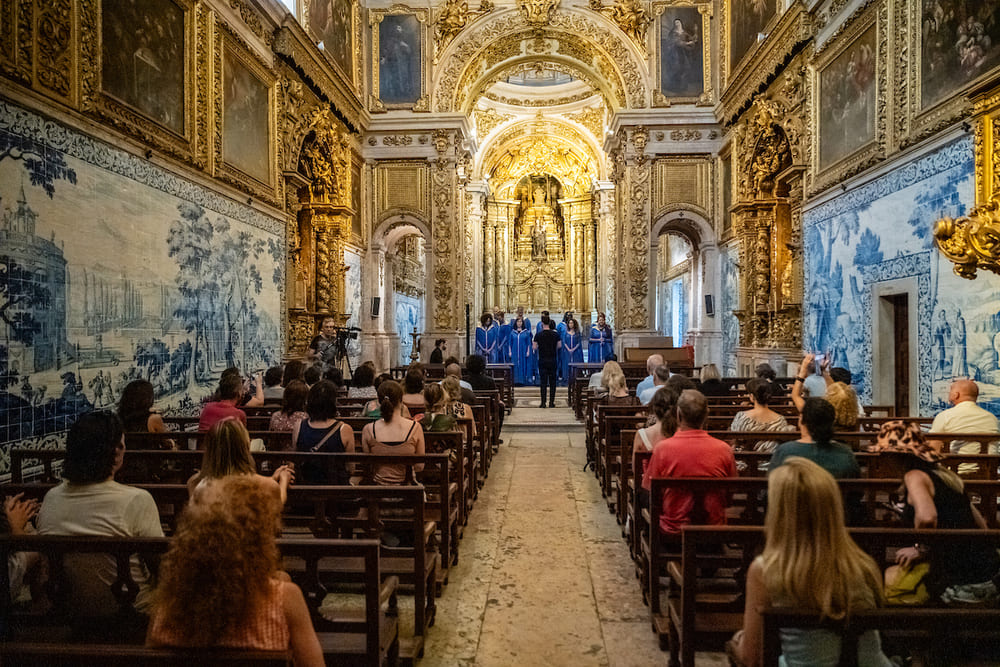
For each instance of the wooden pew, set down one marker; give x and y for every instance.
(51, 654)
(371, 638)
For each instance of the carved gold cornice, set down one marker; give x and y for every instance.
(763, 62)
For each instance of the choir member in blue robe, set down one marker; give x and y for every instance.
(543, 323)
(572, 342)
(521, 354)
(561, 362)
(486, 336)
(503, 338)
(601, 341)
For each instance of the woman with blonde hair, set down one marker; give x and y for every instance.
(809, 562)
(455, 407)
(220, 584)
(436, 418)
(227, 453)
(845, 404)
(613, 382)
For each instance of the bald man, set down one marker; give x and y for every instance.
(964, 417)
(652, 361)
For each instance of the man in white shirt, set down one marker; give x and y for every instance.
(660, 376)
(90, 502)
(652, 361)
(964, 417)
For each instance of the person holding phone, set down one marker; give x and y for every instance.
(808, 384)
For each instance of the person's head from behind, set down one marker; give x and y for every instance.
(845, 405)
(817, 419)
(680, 382)
(227, 450)
(963, 390)
(475, 364)
(390, 397)
(294, 370)
(765, 371)
(452, 389)
(294, 398)
(710, 372)
(217, 573)
(663, 408)
(321, 403)
(612, 376)
(661, 374)
(230, 387)
(364, 375)
(809, 558)
(380, 378)
(95, 448)
(692, 409)
(760, 390)
(135, 404)
(413, 381)
(841, 374)
(453, 370)
(334, 375)
(435, 397)
(448, 361)
(652, 361)
(552, 325)
(313, 374)
(273, 375)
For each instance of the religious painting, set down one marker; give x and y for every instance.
(847, 100)
(331, 22)
(681, 52)
(959, 42)
(143, 57)
(747, 19)
(246, 131)
(399, 59)
(356, 228)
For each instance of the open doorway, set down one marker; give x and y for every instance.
(894, 334)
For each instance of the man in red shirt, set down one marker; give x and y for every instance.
(229, 395)
(691, 452)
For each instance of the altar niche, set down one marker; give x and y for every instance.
(535, 247)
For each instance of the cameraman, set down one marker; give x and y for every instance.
(318, 348)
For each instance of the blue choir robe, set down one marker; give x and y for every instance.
(601, 344)
(561, 353)
(485, 341)
(503, 344)
(573, 345)
(522, 356)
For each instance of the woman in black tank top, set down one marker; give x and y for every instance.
(323, 432)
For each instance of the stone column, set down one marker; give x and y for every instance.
(600, 258)
(475, 199)
(490, 268)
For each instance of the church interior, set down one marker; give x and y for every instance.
(750, 181)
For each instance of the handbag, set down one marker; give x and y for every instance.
(910, 589)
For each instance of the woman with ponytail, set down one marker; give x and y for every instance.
(392, 434)
(816, 442)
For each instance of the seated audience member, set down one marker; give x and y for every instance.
(436, 417)
(437, 354)
(764, 371)
(809, 562)
(958, 572)
(841, 374)
(663, 414)
(228, 396)
(455, 407)
(136, 409)
(816, 443)
(334, 375)
(227, 453)
(323, 432)
(313, 374)
(710, 383)
(220, 582)
(273, 389)
(294, 370)
(413, 389)
(660, 376)
(480, 381)
(455, 371)
(363, 382)
(392, 434)
(90, 502)
(616, 389)
(16, 520)
(760, 417)
(248, 399)
(371, 408)
(808, 382)
(293, 407)
(964, 417)
(596, 379)
(652, 362)
(690, 452)
(845, 405)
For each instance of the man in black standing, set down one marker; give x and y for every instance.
(547, 344)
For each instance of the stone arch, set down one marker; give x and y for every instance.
(386, 231)
(590, 40)
(570, 136)
(688, 221)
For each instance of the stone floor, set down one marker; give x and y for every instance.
(544, 577)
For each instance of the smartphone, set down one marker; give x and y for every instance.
(820, 357)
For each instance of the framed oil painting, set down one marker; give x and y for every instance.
(144, 58)
(399, 60)
(356, 229)
(847, 100)
(682, 52)
(332, 25)
(959, 43)
(747, 18)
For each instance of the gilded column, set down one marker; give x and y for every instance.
(634, 308)
(600, 264)
(475, 200)
(446, 308)
(490, 253)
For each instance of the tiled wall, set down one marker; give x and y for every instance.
(115, 270)
(729, 301)
(352, 295)
(880, 232)
(409, 314)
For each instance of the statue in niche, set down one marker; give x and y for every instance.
(538, 240)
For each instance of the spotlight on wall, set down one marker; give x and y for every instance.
(149, 153)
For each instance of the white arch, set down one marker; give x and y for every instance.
(686, 221)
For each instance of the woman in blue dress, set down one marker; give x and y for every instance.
(520, 351)
(503, 339)
(486, 337)
(601, 341)
(572, 343)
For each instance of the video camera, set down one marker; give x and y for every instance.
(347, 333)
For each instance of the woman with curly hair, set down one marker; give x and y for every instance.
(227, 453)
(220, 585)
(845, 404)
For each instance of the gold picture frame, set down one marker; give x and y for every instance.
(153, 92)
(728, 69)
(703, 8)
(857, 53)
(376, 19)
(239, 157)
(347, 62)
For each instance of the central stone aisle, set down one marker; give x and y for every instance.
(544, 576)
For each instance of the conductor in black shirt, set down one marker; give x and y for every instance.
(437, 355)
(547, 344)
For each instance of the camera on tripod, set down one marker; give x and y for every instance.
(347, 333)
